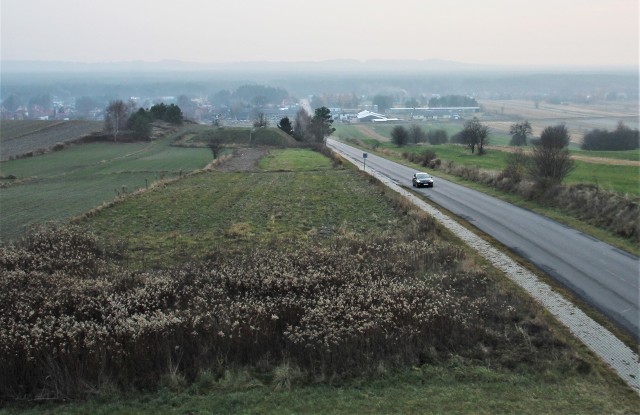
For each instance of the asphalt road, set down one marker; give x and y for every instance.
(604, 276)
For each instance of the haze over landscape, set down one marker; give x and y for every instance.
(567, 33)
(341, 206)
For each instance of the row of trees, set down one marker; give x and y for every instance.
(415, 134)
(452, 101)
(549, 161)
(309, 128)
(622, 138)
(120, 116)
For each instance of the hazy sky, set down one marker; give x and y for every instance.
(539, 32)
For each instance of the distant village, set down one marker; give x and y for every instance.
(204, 111)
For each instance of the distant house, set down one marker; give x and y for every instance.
(22, 113)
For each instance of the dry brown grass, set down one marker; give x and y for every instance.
(71, 321)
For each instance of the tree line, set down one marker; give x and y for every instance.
(309, 128)
(120, 116)
(548, 163)
(620, 139)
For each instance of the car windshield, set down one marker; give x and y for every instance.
(422, 176)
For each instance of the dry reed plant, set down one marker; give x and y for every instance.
(71, 321)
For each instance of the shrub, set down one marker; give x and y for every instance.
(622, 138)
(399, 135)
(516, 168)
(437, 137)
(426, 159)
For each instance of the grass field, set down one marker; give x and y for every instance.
(199, 135)
(189, 216)
(579, 118)
(298, 195)
(21, 137)
(633, 155)
(57, 186)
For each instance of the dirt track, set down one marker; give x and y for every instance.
(243, 159)
(368, 131)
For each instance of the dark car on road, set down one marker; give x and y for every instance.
(422, 180)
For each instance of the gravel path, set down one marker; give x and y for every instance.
(610, 349)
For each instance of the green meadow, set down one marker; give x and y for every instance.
(60, 185)
(296, 195)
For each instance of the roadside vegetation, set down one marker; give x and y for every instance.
(603, 194)
(302, 285)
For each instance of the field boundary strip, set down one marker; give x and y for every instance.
(617, 355)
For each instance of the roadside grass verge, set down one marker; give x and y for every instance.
(57, 186)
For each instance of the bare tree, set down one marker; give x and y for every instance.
(215, 145)
(551, 161)
(519, 133)
(301, 125)
(417, 134)
(475, 134)
(116, 117)
(261, 120)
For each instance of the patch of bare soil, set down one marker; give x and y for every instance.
(368, 131)
(243, 159)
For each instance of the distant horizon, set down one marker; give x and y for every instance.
(544, 33)
(376, 64)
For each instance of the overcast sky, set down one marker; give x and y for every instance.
(520, 32)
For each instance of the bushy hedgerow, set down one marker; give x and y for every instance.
(70, 321)
(426, 158)
(616, 212)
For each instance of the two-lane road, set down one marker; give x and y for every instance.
(604, 276)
